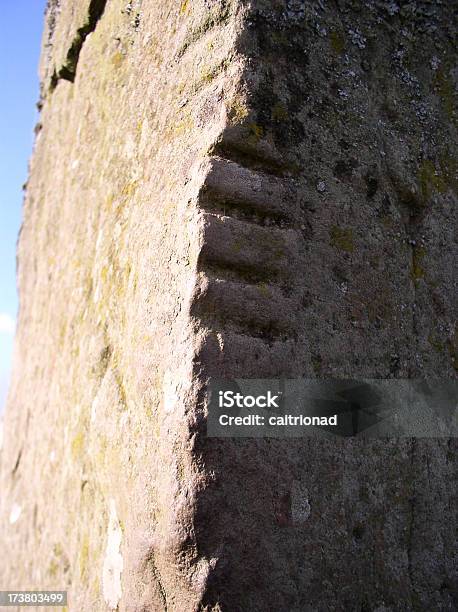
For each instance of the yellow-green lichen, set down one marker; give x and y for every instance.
(77, 446)
(130, 188)
(256, 132)
(430, 179)
(53, 569)
(417, 271)
(237, 110)
(117, 59)
(317, 364)
(215, 16)
(182, 127)
(116, 370)
(337, 42)
(184, 8)
(449, 170)
(84, 557)
(58, 550)
(446, 91)
(209, 73)
(280, 37)
(62, 334)
(342, 239)
(121, 389)
(437, 345)
(279, 112)
(263, 289)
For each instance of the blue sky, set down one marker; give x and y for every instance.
(20, 38)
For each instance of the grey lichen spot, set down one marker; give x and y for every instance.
(295, 10)
(300, 505)
(321, 186)
(392, 8)
(357, 38)
(435, 63)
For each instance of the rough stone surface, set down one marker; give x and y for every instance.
(232, 189)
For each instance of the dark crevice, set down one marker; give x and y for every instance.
(248, 274)
(67, 72)
(247, 157)
(224, 270)
(213, 201)
(249, 325)
(18, 461)
(270, 334)
(243, 211)
(151, 570)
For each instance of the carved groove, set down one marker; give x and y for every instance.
(230, 242)
(256, 310)
(250, 212)
(242, 211)
(251, 158)
(251, 196)
(224, 270)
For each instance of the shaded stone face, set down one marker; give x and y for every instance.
(233, 190)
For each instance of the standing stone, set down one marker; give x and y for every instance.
(233, 189)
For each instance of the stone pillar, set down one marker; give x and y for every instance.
(232, 189)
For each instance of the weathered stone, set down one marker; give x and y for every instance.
(232, 189)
